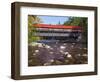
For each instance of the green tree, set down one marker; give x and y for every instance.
(59, 23)
(78, 21)
(32, 29)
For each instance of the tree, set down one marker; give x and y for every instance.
(78, 21)
(59, 23)
(32, 29)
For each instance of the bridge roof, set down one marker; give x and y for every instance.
(56, 26)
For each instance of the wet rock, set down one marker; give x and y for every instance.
(36, 51)
(57, 54)
(62, 47)
(69, 56)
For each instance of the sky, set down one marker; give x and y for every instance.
(53, 19)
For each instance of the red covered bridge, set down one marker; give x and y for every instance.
(57, 32)
(56, 26)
